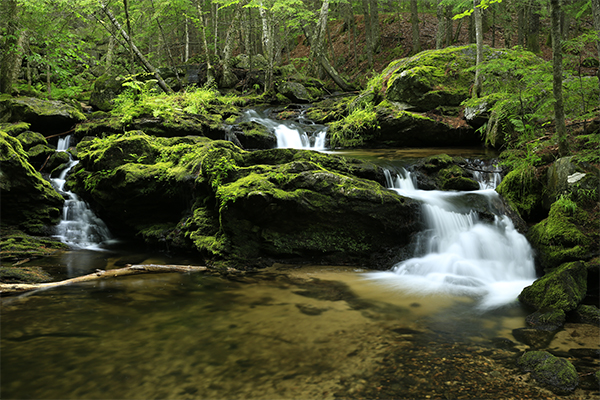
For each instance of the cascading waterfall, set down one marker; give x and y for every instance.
(303, 134)
(79, 226)
(458, 253)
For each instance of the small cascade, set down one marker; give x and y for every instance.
(458, 253)
(303, 134)
(487, 175)
(79, 226)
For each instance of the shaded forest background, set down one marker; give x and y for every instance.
(58, 48)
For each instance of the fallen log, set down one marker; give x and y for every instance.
(16, 288)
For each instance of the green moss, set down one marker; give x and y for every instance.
(17, 245)
(29, 139)
(14, 129)
(355, 129)
(558, 237)
(562, 288)
(523, 190)
(23, 275)
(557, 373)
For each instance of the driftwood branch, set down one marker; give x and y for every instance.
(16, 288)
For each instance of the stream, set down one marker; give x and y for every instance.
(438, 325)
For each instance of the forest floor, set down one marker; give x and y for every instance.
(396, 43)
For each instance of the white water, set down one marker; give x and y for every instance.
(79, 226)
(459, 254)
(301, 135)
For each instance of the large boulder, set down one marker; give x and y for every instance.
(47, 116)
(562, 289)
(106, 88)
(219, 200)
(558, 374)
(28, 201)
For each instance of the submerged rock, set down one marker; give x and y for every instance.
(557, 373)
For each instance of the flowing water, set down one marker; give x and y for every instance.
(299, 134)
(458, 253)
(79, 226)
(431, 328)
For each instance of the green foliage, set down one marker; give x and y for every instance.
(350, 131)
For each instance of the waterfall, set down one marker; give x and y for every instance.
(79, 226)
(303, 134)
(458, 253)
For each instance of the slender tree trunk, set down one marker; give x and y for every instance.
(268, 41)
(479, 41)
(166, 44)
(559, 111)
(521, 26)
(229, 40)
(414, 20)
(11, 50)
(129, 32)
(533, 34)
(49, 80)
(368, 33)
(596, 12)
(109, 54)
(210, 74)
(375, 36)
(440, 33)
(449, 25)
(186, 55)
(140, 56)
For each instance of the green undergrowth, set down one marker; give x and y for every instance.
(354, 129)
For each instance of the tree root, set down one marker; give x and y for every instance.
(7, 289)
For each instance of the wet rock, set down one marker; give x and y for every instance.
(535, 338)
(252, 135)
(587, 314)
(505, 344)
(560, 289)
(546, 320)
(48, 116)
(28, 200)
(556, 373)
(106, 88)
(309, 309)
(30, 139)
(585, 353)
(294, 91)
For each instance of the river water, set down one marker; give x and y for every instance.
(287, 332)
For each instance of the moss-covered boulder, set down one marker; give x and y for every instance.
(219, 200)
(560, 237)
(561, 289)
(295, 91)
(565, 177)
(522, 189)
(588, 314)
(28, 201)
(443, 172)
(47, 116)
(106, 88)
(558, 374)
(29, 139)
(14, 129)
(252, 135)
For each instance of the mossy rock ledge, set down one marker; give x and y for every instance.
(28, 200)
(217, 199)
(48, 116)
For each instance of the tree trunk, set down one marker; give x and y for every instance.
(186, 55)
(596, 12)
(166, 44)
(210, 74)
(129, 33)
(414, 20)
(229, 40)
(440, 33)
(375, 37)
(521, 26)
(533, 34)
(449, 25)
(268, 41)
(368, 33)
(479, 41)
(140, 56)
(559, 111)
(11, 54)
(16, 288)
(48, 80)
